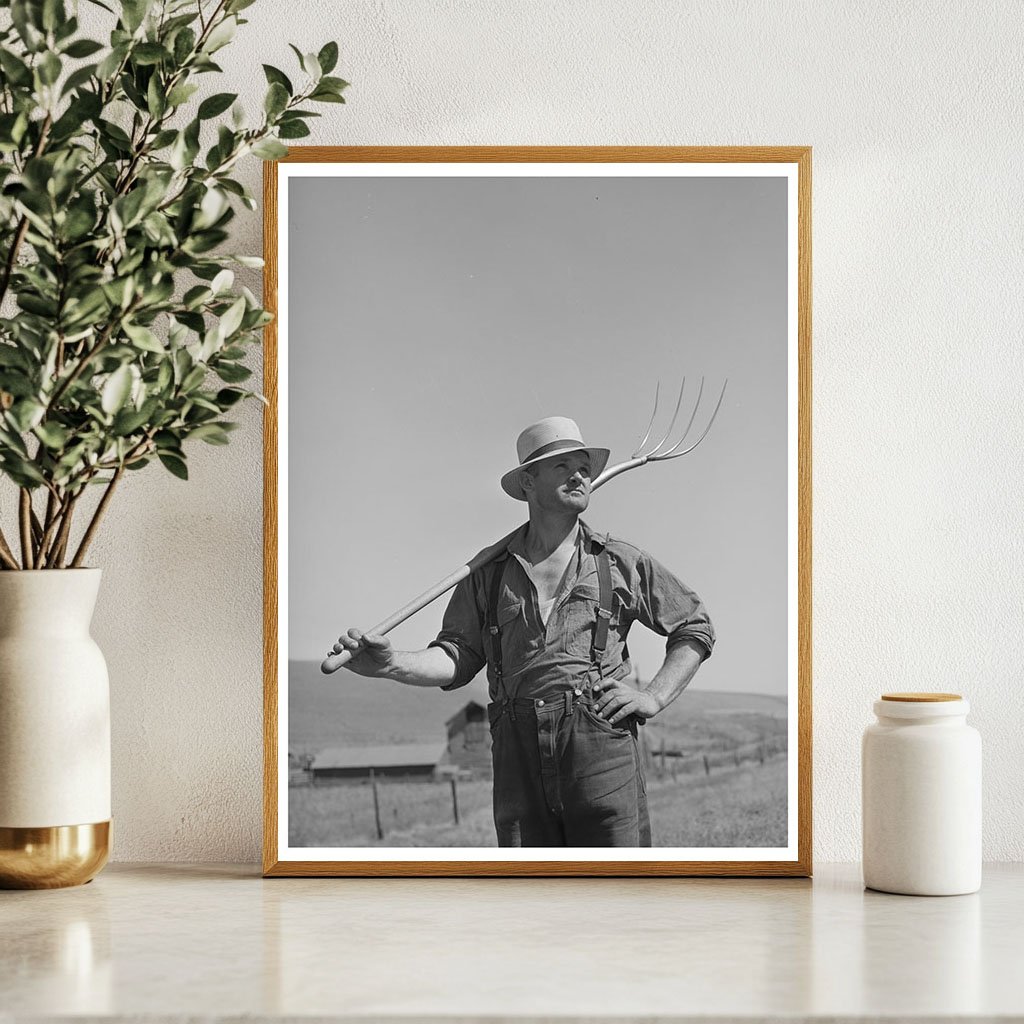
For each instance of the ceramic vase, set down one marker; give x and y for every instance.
(54, 731)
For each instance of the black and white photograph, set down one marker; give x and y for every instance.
(537, 584)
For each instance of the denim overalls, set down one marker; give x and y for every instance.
(563, 776)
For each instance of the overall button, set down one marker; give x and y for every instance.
(578, 692)
(540, 703)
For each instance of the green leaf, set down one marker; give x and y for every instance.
(78, 78)
(53, 435)
(326, 96)
(184, 44)
(144, 338)
(149, 53)
(221, 35)
(311, 66)
(109, 65)
(21, 471)
(255, 262)
(293, 130)
(222, 281)
(133, 13)
(193, 379)
(216, 104)
(26, 20)
(26, 414)
(162, 139)
(234, 6)
(276, 100)
(128, 421)
(129, 207)
(181, 93)
(49, 68)
(232, 319)
(116, 390)
(11, 440)
(14, 68)
(116, 134)
(156, 99)
(211, 433)
(175, 464)
(269, 149)
(227, 397)
(328, 58)
(277, 77)
(334, 84)
(11, 355)
(232, 373)
(83, 48)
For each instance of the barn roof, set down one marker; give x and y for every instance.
(398, 755)
(462, 710)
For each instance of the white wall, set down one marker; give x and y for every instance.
(914, 113)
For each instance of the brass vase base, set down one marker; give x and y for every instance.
(52, 858)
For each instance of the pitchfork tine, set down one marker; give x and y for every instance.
(640, 446)
(693, 415)
(671, 426)
(672, 453)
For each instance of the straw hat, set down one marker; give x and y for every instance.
(545, 438)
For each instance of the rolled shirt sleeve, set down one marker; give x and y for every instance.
(667, 606)
(461, 636)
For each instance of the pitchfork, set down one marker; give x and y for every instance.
(659, 453)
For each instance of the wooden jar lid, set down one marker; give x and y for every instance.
(920, 698)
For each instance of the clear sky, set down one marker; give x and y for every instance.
(431, 319)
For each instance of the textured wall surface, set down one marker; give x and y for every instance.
(913, 110)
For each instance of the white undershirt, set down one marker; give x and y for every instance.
(545, 609)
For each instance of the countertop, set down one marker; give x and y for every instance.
(216, 941)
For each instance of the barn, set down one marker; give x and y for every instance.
(469, 740)
(401, 760)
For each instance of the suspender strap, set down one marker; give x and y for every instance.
(495, 630)
(604, 610)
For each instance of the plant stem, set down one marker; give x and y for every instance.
(6, 555)
(25, 521)
(51, 525)
(61, 543)
(37, 530)
(97, 516)
(87, 357)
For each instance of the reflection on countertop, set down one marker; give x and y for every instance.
(179, 940)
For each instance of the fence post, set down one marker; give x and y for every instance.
(455, 799)
(376, 804)
(707, 765)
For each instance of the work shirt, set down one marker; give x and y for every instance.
(543, 660)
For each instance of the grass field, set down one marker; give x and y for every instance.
(736, 806)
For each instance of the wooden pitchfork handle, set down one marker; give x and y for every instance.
(335, 661)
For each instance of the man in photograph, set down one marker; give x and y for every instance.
(549, 618)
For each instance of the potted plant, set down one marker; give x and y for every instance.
(122, 338)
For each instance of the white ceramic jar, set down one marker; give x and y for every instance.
(921, 789)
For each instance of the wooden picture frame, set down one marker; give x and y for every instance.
(682, 168)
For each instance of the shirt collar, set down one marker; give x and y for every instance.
(586, 540)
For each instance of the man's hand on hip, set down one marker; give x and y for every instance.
(617, 700)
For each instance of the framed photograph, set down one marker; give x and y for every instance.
(538, 511)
